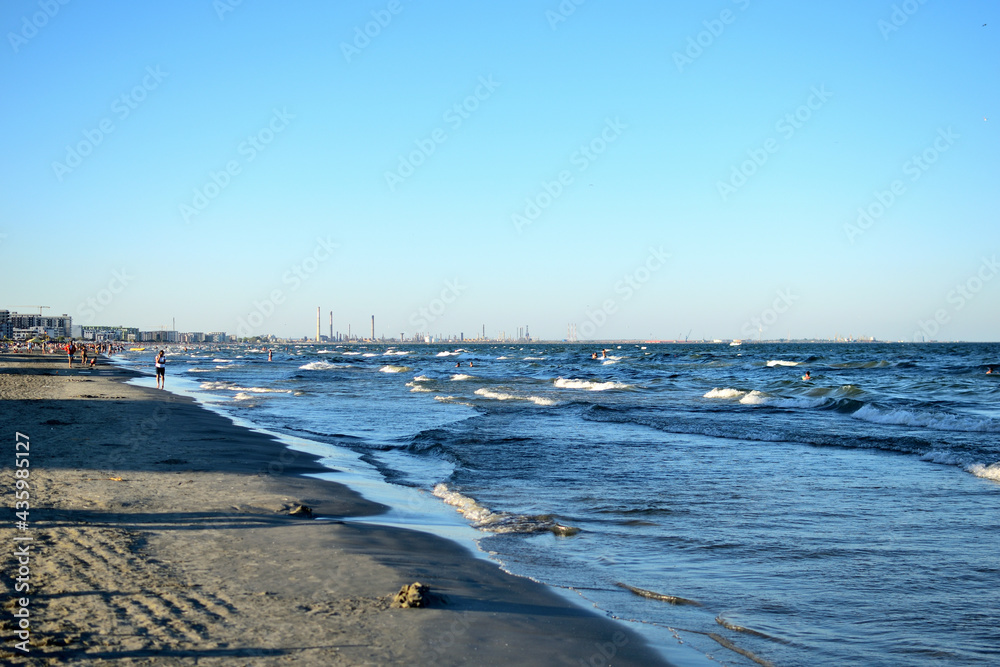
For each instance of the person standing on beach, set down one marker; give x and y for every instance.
(70, 351)
(161, 370)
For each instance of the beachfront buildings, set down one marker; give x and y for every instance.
(158, 336)
(23, 326)
(106, 333)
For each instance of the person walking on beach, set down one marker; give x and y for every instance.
(70, 351)
(161, 370)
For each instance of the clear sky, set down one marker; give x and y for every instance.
(641, 169)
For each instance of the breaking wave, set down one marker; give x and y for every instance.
(500, 522)
(563, 383)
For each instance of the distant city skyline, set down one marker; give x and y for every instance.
(517, 334)
(639, 170)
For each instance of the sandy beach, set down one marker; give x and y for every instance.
(161, 533)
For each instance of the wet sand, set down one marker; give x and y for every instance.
(161, 534)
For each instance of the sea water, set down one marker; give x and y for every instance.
(846, 519)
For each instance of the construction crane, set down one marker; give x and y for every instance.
(38, 307)
(688, 334)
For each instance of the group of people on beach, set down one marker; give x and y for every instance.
(52, 347)
(89, 352)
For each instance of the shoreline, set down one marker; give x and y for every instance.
(162, 528)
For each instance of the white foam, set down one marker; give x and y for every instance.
(541, 400)
(394, 369)
(466, 506)
(200, 370)
(260, 390)
(417, 388)
(421, 378)
(215, 386)
(369, 354)
(498, 395)
(945, 458)
(502, 396)
(534, 358)
(563, 383)
(985, 471)
(458, 377)
(782, 362)
(229, 386)
(446, 353)
(498, 522)
(351, 354)
(755, 398)
(937, 421)
(321, 366)
(725, 393)
(223, 361)
(396, 353)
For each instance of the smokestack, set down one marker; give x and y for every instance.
(373, 327)
(331, 326)
(317, 323)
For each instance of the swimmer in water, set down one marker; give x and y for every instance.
(807, 377)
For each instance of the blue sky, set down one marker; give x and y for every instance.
(640, 169)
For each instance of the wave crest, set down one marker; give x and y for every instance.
(564, 383)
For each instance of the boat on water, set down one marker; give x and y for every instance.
(736, 343)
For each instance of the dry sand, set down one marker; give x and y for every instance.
(161, 534)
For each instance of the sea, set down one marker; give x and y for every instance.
(706, 495)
